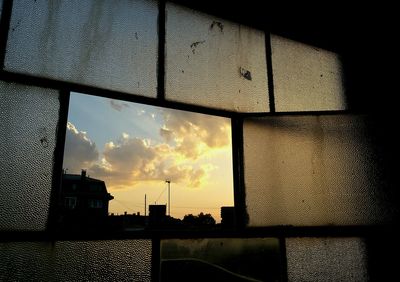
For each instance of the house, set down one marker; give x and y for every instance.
(83, 201)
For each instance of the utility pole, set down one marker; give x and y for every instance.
(145, 204)
(169, 196)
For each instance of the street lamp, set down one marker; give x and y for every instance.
(169, 196)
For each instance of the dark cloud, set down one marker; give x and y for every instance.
(80, 152)
(118, 106)
(166, 134)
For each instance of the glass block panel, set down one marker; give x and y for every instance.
(214, 63)
(306, 78)
(29, 117)
(326, 259)
(230, 259)
(128, 260)
(107, 44)
(1, 8)
(313, 170)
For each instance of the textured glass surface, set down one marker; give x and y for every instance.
(28, 121)
(215, 63)
(1, 7)
(306, 78)
(128, 260)
(107, 44)
(326, 259)
(231, 259)
(313, 170)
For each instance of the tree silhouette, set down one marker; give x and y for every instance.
(198, 220)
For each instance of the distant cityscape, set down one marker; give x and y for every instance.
(83, 204)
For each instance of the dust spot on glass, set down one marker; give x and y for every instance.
(43, 137)
(217, 24)
(136, 36)
(194, 45)
(16, 26)
(245, 73)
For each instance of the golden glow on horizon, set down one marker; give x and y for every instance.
(209, 196)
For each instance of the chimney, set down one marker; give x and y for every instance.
(83, 174)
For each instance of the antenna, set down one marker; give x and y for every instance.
(145, 204)
(169, 196)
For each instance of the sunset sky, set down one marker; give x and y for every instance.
(134, 148)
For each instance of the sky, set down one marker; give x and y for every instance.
(135, 148)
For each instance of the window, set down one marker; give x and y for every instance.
(191, 142)
(70, 202)
(95, 204)
(153, 166)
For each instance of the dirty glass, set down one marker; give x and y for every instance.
(213, 62)
(313, 170)
(306, 78)
(28, 122)
(326, 259)
(1, 8)
(117, 260)
(106, 44)
(223, 259)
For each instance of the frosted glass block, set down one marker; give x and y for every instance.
(128, 260)
(1, 8)
(28, 123)
(107, 44)
(306, 78)
(326, 259)
(214, 63)
(222, 259)
(313, 170)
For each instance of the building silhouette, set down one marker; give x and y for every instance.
(83, 201)
(157, 215)
(228, 217)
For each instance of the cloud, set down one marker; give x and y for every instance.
(128, 161)
(118, 106)
(80, 152)
(195, 133)
(187, 138)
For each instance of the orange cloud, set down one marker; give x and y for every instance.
(128, 160)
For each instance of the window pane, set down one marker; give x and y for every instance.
(29, 117)
(326, 259)
(306, 78)
(313, 170)
(255, 259)
(107, 44)
(215, 63)
(128, 260)
(132, 166)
